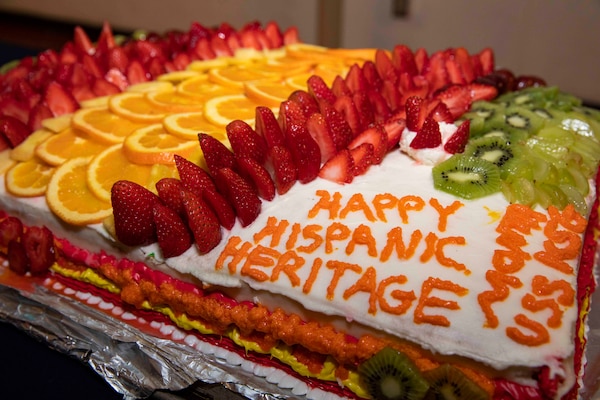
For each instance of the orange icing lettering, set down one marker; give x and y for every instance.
(384, 201)
(326, 203)
(405, 298)
(409, 203)
(274, 229)
(339, 268)
(444, 212)
(312, 277)
(335, 231)
(429, 252)
(291, 242)
(435, 247)
(366, 283)
(529, 302)
(500, 283)
(236, 254)
(543, 287)
(288, 263)
(362, 236)
(540, 334)
(356, 204)
(259, 256)
(396, 242)
(310, 232)
(425, 300)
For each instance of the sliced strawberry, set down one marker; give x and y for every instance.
(245, 142)
(340, 129)
(305, 152)
(136, 73)
(180, 62)
(250, 39)
(384, 66)
(169, 191)
(221, 207)
(362, 157)
(371, 75)
(482, 92)
(82, 41)
(403, 60)
(339, 87)
(118, 58)
(13, 108)
(106, 41)
(39, 248)
(172, 233)
(59, 100)
(220, 46)
(392, 96)
(440, 113)
(132, 209)
(202, 221)
(486, 59)
(47, 59)
(117, 78)
(91, 66)
(274, 35)
(376, 136)
(344, 105)
(291, 36)
(290, 113)
(381, 110)
(428, 137)
(393, 129)
(68, 54)
(457, 98)
(319, 89)
(307, 103)
(457, 142)
(355, 80)
(11, 228)
(38, 113)
(216, 154)
(18, 261)
(415, 113)
(193, 177)
(339, 168)
(463, 60)
(364, 108)
(241, 195)
(268, 127)
(319, 130)
(254, 172)
(435, 71)
(454, 71)
(13, 130)
(285, 172)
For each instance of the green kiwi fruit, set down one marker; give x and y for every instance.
(467, 177)
(495, 149)
(523, 119)
(390, 374)
(450, 383)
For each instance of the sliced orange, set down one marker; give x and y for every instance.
(174, 101)
(268, 93)
(57, 124)
(354, 55)
(95, 102)
(29, 178)
(111, 165)
(236, 75)
(6, 161)
(287, 66)
(159, 171)
(298, 82)
(203, 89)
(70, 198)
(102, 125)
(25, 150)
(305, 51)
(224, 109)
(136, 107)
(205, 65)
(189, 125)
(154, 145)
(62, 146)
(150, 86)
(176, 77)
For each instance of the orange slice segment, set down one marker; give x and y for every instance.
(268, 93)
(203, 89)
(104, 126)
(57, 124)
(222, 110)
(176, 77)
(29, 178)
(136, 107)
(69, 197)
(64, 145)
(174, 101)
(188, 125)
(154, 145)
(159, 171)
(235, 76)
(150, 86)
(26, 149)
(111, 165)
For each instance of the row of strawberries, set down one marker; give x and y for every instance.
(54, 82)
(334, 132)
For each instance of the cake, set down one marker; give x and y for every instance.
(401, 225)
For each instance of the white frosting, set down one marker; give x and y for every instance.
(428, 156)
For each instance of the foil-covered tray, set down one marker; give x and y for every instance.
(139, 364)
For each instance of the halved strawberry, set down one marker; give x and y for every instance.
(392, 96)
(339, 168)
(256, 173)
(428, 136)
(39, 248)
(169, 191)
(38, 113)
(290, 113)
(102, 87)
(13, 130)
(319, 89)
(220, 206)
(305, 152)
(403, 60)
(340, 129)
(362, 157)
(364, 108)
(11, 228)
(82, 41)
(245, 142)
(285, 172)
(117, 78)
(463, 60)
(14, 108)
(91, 66)
(202, 221)
(308, 104)
(355, 80)
(344, 105)
(18, 261)
(291, 36)
(479, 91)
(216, 154)
(132, 209)
(118, 58)
(274, 35)
(441, 113)
(266, 125)
(172, 233)
(136, 73)
(457, 98)
(319, 130)
(220, 46)
(59, 100)
(415, 113)
(371, 75)
(384, 66)
(339, 87)
(421, 58)
(193, 177)
(106, 40)
(486, 59)
(435, 71)
(393, 129)
(381, 109)
(376, 136)
(241, 195)
(457, 142)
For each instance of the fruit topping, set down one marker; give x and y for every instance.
(448, 382)
(172, 234)
(202, 221)
(240, 194)
(133, 207)
(467, 177)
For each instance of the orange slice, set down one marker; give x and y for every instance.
(188, 125)
(154, 145)
(150, 86)
(136, 107)
(268, 93)
(224, 109)
(95, 102)
(176, 77)
(111, 165)
(69, 197)
(6, 161)
(64, 145)
(57, 124)
(205, 65)
(25, 150)
(236, 75)
(354, 55)
(305, 51)
(203, 89)
(159, 171)
(298, 82)
(29, 178)
(104, 126)
(174, 101)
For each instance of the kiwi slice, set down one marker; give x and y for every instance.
(523, 119)
(390, 374)
(450, 383)
(467, 177)
(495, 149)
